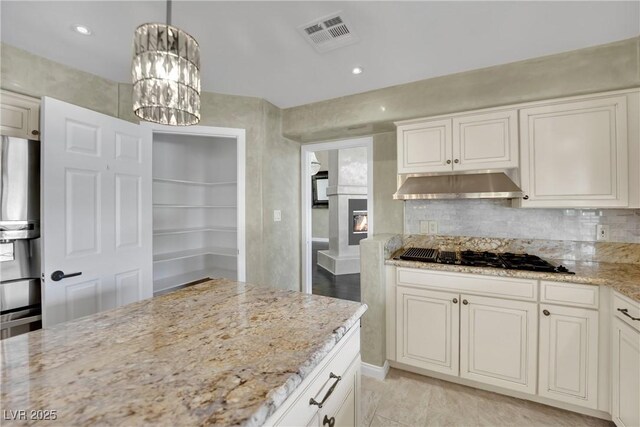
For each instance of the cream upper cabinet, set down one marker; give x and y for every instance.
(427, 329)
(498, 342)
(486, 141)
(574, 154)
(19, 115)
(569, 355)
(425, 147)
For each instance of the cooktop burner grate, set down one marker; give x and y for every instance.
(420, 254)
(483, 259)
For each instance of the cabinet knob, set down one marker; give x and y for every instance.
(35, 132)
(525, 197)
(465, 302)
(329, 421)
(546, 312)
(448, 162)
(455, 300)
(456, 161)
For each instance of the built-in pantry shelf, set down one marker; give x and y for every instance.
(198, 208)
(187, 182)
(171, 205)
(190, 253)
(194, 230)
(166, 283)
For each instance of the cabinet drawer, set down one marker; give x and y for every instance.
(341, 408)
(624, 309)
(569, 294)
(297, 410)
(470, 283)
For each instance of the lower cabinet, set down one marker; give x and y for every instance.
(427, 329)
(625, 362)
(330, 395)
(491, 340)
(569, 355)
(498, 342)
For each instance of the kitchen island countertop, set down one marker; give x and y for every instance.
(216, 353)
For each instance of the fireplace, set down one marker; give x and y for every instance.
(358, 221)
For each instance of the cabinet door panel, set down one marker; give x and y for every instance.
(427, 329)
(20, 116)
(486, 141)
(569, 355)
(498, 342)
(626, 375)
(425, 147)
(575, 154)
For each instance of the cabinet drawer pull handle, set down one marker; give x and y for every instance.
(455, 300)
(465, 302)
(546, 312)
(626, 313)
(312, 401)
(329, 421)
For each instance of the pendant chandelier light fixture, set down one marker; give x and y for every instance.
(166, 74)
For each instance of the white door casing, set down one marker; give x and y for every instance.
(96, 219)
(569, 355)
(498, 342)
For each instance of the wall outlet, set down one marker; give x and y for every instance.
(277, 215)
(602, 232)
(428, 227)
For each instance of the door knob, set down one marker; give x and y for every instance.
(58, 275)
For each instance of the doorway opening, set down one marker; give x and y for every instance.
(337, 212)
(198, 205)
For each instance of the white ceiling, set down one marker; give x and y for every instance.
(254, 48)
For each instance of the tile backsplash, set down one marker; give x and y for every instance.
(496, 218)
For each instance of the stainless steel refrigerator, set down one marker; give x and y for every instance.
(20, 300)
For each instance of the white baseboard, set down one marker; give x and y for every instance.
(320, 239)
(373, 371)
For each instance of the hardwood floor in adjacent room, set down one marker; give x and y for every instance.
(407, 399)
(344, 286)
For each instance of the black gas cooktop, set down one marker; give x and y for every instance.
(483, 259)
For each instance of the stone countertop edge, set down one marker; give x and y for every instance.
(277, 396)
(624, 278)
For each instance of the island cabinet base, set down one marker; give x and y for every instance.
(330, 395)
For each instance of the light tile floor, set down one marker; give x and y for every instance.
(406, 399)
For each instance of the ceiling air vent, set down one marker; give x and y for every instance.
(328, 33)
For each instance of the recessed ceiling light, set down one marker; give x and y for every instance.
(82, 29)
(357, 70)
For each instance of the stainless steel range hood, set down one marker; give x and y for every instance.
(494, 185)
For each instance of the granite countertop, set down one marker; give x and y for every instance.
(624, 278)
(217, 353)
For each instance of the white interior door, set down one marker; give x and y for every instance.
(96, 186)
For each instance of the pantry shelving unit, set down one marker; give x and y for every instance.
(198, 205)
